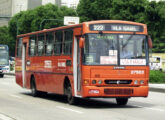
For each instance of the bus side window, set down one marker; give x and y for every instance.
(49, 43)
(19, 47)
(68, 38)
(40, 49)
(32, 46)
(58, 43)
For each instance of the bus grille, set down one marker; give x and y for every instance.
(118, 81)
(118, 91)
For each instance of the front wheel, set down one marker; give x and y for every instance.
(121, 101)
(70, 98)
(1, 75)
(33, 88)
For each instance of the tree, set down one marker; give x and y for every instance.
(6, 39)
(143, 11)
(156, 24)
(132, 10)
(29, 21)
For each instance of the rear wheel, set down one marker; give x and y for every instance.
(1, 75)
(33, 88)
(121, 101)
(70, 98)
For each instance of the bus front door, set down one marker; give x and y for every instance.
(24, 64)
(77, 67)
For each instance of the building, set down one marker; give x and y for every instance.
(70, 3)
(9, 8)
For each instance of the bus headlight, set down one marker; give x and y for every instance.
(93, 81)
(135, 82)
(99, 81)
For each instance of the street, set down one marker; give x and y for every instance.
(18, 104)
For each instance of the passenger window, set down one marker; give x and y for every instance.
(68, 42)
(49, 43)
(32, 45)
(19, 47)
(58, 43)
(40, 44)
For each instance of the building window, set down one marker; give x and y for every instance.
(19, 47)
(49, 43)
(58, 43)
(40, 49)
(32, 46)
(68, 38)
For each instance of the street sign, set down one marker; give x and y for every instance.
(68, 20)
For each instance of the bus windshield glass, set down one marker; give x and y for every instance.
(115, 49)
(4, 57)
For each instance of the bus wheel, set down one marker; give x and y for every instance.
(1, 75)
(70, 97)
(33, 88)
(121, 101)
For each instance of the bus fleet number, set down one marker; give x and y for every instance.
(98, 27)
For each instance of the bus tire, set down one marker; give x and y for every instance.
(1, 75)
(121, 101)
(70, 98)
(34, 91)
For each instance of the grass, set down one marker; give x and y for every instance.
(157, 76)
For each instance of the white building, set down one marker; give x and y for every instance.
(9, 8)
(70, 3)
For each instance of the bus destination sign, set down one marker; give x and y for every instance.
(116, 27)
(2, 48)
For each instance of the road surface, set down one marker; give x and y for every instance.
(17, 103)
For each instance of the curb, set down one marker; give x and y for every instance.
(13, 74)
(154, 89)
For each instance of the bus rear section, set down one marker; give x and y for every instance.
(4, 60)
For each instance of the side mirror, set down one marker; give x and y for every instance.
(81, 42)
(149, 42)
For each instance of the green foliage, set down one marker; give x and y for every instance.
(143, 11)
(157, 76)
(29, 21)
(6, 39)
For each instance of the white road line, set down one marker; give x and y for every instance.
(64, 108)
(3, 117)
(156, 109)
(16, 96)
(4, 83)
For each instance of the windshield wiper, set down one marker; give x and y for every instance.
(128, 40)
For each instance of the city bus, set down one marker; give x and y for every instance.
(86, 60)
(4, 60)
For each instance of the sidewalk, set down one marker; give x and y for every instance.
(157, 87)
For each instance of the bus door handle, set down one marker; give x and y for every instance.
(68, 63)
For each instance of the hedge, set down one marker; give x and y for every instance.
(157, 76)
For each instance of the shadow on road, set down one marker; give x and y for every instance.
(84, 103)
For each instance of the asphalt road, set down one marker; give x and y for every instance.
(17, 103)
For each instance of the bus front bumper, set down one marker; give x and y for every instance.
(94, 91)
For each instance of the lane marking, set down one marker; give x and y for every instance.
(156, 109)
(5, 83)
(3, 117)
(64, 108)
(16, 96)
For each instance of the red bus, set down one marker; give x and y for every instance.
(106, 58)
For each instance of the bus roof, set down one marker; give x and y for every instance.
(79, 25)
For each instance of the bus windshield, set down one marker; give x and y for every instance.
(4, 57)
(115, 49)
